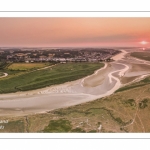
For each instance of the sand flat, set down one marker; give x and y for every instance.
(97, 78)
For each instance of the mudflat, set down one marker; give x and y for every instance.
(103, 82)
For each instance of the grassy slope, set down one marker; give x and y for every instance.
(42, 78)
(114, 113)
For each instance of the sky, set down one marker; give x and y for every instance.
(74, 32)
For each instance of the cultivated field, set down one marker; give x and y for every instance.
(141, 55)
(60, 73)
(27, 66)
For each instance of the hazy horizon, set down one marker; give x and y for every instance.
(72, 47)
(74, 32)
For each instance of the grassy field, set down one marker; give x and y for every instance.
(141, 55)
(27, 66)
(1, 74)
(58, 74)
(3, 65)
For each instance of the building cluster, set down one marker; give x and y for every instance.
(57, 55)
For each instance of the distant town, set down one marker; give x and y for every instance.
(62, 55)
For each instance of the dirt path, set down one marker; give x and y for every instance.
(136, 115)
(47, 67)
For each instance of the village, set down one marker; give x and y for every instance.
(61, 55)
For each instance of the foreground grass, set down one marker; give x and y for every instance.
(120, 112)
(58, 74)
(60, 125)
(141, 55)
(1, 74)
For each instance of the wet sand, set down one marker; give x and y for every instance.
(138, 69)
(120, 56)
(97, 78)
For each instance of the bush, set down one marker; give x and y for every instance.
(60, 125)
(143, 104)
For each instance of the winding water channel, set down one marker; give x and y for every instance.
(102, 83)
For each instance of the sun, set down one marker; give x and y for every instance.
(143, 42)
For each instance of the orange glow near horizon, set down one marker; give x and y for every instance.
(70, 32)
(143, 42)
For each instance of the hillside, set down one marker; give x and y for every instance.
(120, 112)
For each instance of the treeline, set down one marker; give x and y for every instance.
(3, 65)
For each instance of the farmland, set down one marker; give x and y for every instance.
(26, 66)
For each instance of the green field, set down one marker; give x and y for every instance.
(3, 65)
(141, 55)
(1, 74)
(58, 74)
(27, 66)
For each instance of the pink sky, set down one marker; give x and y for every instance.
(70, 32)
